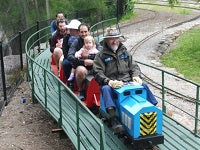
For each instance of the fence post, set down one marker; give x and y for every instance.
(20, 50)
(197, 111)
(38, 36)
(163, 92)
(3, 74)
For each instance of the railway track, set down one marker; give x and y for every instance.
(146, 17)
(134, 48)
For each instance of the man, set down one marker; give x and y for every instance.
(112, 67)
(83, 64)
(57, 40)
(53, 25)
(67, 41)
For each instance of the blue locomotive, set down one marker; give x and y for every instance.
(140, 119)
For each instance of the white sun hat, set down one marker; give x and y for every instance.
(112, 33)
(73, 24)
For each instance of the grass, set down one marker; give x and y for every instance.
(128, 16)
(131, 15)
(178, 3)
(185, 58)
(177, 10)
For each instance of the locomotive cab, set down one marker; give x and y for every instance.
(141, 119)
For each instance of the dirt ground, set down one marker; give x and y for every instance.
(26, 126)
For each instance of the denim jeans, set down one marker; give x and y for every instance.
(107, 94)
(67, 66)
(150, 97)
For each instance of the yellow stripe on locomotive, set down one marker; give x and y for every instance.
(148, 123)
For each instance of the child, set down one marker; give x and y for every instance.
(88, 48)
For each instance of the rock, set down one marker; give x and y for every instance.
(156, 63)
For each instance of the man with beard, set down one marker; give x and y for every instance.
(84, 64)
(113, 66)
(56, 40)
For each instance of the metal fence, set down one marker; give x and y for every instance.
(12, 64)
(12, 53)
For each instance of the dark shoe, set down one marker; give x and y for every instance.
(116, 125)
(111, 111)
(81, 95)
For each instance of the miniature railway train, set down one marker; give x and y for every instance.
(141, 120)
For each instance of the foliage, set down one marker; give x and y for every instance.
(128, 11)
(18, 15)
(172, 2)
(186, 57)
(111, 8)
(8, 13)
(129, 5)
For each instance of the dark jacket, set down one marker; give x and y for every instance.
(76, 46)
(114, 66)
(54, 40)
(65, 45)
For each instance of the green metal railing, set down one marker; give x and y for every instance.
(34, 68)
(165, 89)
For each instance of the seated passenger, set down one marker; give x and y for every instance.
(67, 41)
(88, 48)
(112, 67)
(53, 25)
(56, 41)
(85, 62)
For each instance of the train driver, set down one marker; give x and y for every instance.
(112, 67)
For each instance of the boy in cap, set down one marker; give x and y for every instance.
(67, 41)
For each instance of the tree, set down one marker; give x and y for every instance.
(23, 12)
(172, 2)
(47, 9)
(36, 8)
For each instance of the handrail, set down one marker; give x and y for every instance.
(164, 88)
(169, 73)
(31, 47)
